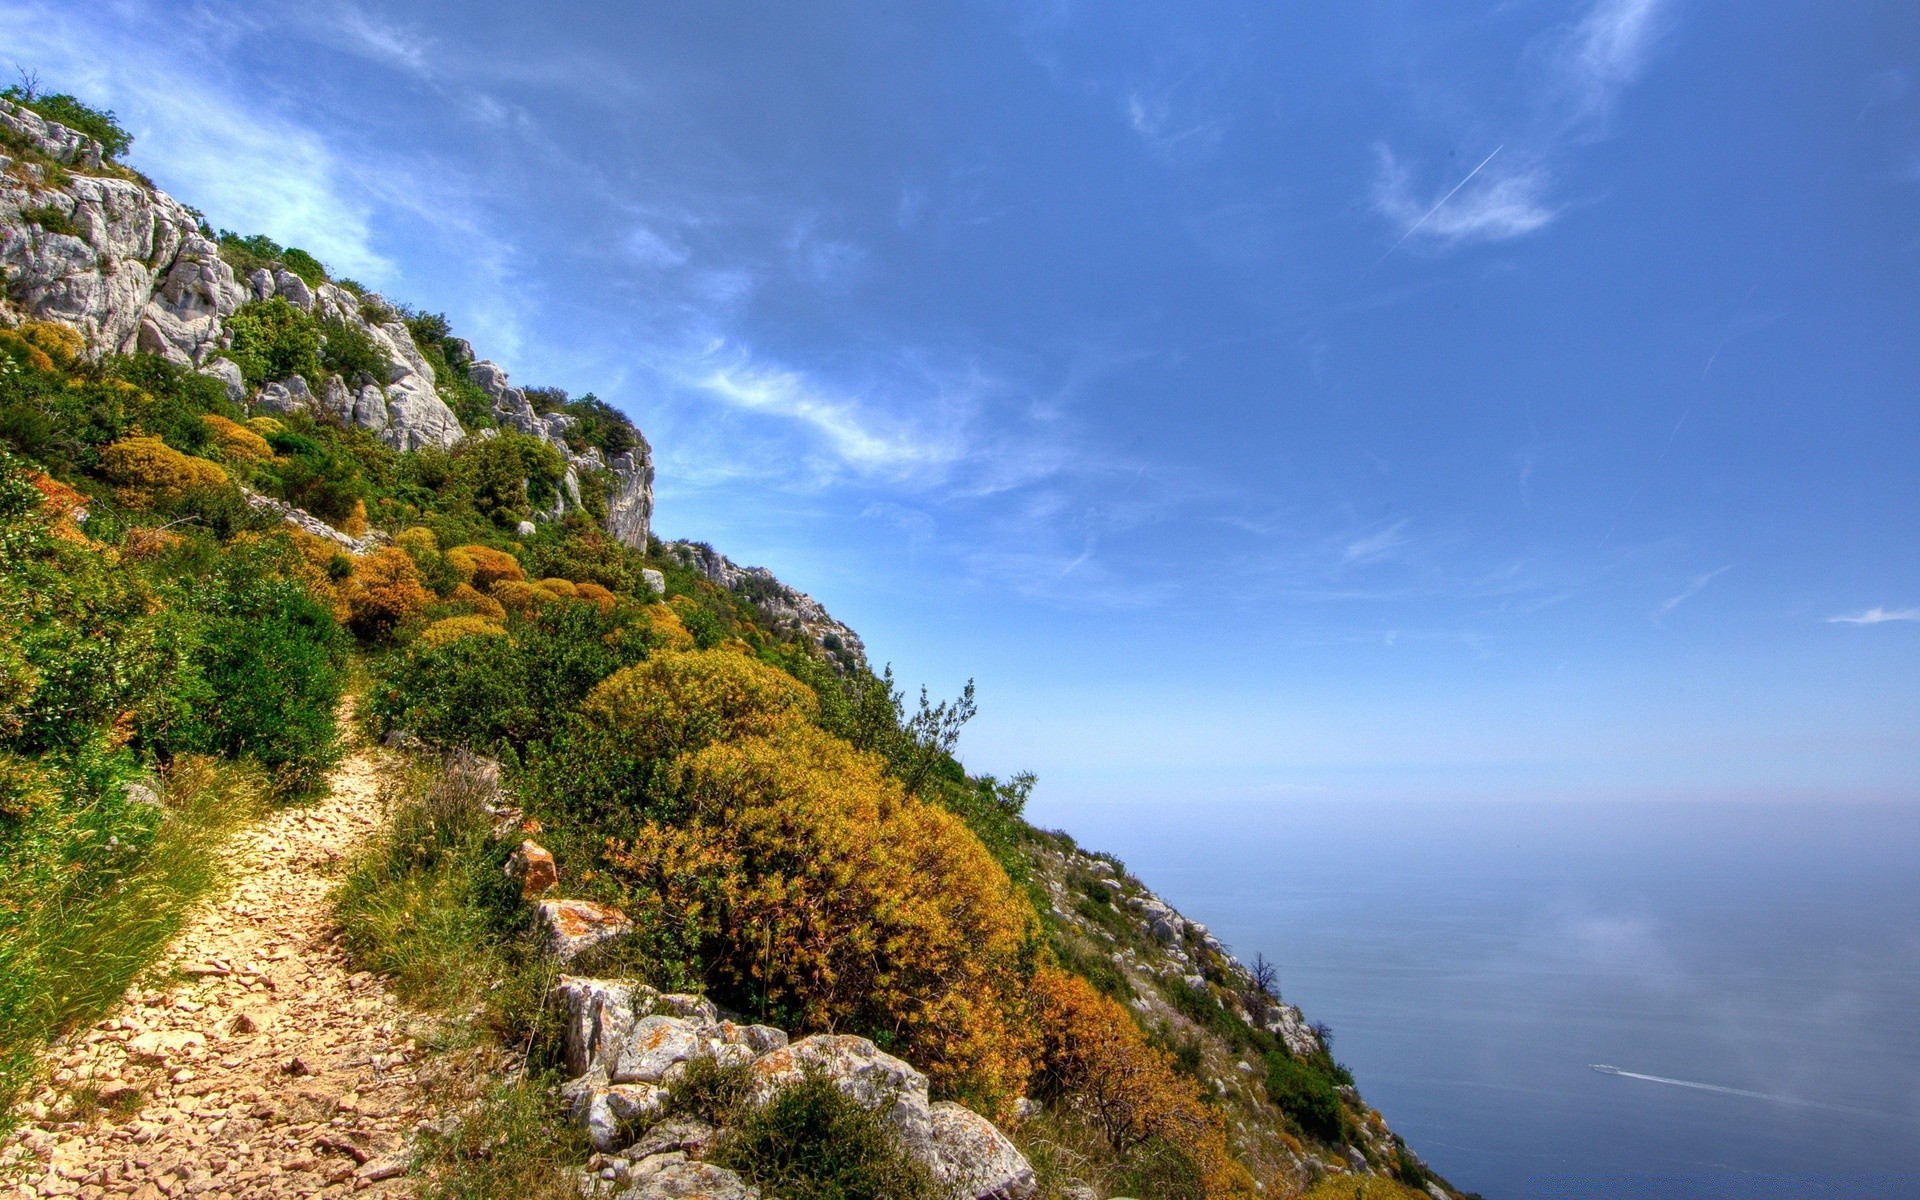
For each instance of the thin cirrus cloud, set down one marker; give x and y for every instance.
(258, 171)
(837, 421)
(1577, 75)
(1876, 616)
(1693, 588)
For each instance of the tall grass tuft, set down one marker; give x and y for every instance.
(429, 908)
(73, 955)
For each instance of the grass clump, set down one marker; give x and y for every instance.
(96, 919)
(812, 1141)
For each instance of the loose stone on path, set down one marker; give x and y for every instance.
(253, 1062)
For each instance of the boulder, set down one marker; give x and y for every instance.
(654, 1047)
(608, 1112)
(973, 1159)
(690, 1181)
(758, 1038)
(292, 289)
(532, 867)
(457, 351)
(688, 1134)
(600, 1015)
(861, 1070)
(228, 372)
(575, 926)
(698, 1009)
(654, 581)
(284, 398)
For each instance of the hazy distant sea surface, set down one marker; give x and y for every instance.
(1474, 959)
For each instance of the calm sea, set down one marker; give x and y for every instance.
(1755, 968)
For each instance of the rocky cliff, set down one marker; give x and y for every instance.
(95, 245)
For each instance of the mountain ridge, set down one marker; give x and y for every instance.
(88, 244)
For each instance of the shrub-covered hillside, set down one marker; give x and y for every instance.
(220, 503)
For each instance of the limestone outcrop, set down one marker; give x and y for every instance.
(135, 271)
(789, 609)
(627, 1043)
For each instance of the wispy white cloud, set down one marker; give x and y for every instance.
(1503, 205)
(1154, 119)
(1374, 546)
(850, 433)
(251, 168)
(1579, 72)
(1876, 616)
(1693, 588)
(1604, 53)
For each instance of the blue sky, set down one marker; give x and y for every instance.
(1393, 398)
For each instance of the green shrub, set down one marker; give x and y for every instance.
(347, 351)
(273, 340)
(100, 124)
(248, 254)
(814, 1142)
(264, 667)
(305, 265)
(1307, 1095)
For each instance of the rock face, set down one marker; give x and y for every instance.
(788, 609)
(629, 499)
(139, 275)
(625, 1041)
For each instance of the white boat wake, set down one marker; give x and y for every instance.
(1608, 1069)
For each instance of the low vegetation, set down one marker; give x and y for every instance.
(789, 833)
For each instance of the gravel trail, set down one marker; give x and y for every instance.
(252, 1061)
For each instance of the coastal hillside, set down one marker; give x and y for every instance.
(678, 895)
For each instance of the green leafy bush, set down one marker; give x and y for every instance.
(305, 265)
(274, 340)
(51, 219)
(1307, 1095)
(100, 124)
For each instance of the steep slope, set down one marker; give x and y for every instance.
(496, 642)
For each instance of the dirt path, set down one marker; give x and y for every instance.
(253, 1061)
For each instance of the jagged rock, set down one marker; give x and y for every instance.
(458, 351)
(292, 289)
(654, 581)
(655, 1046)
(370, 408)
(228, 372)
(757, 1038)
(532, 867)
(690, 1181)
(575, 926)
(861, 1070)
(688, 1134)
(784, 606)
(304, 520)
(284, 397)
(51, 138)
(974, 1159)
(698, 1009)
(617, 1108)
(600, 1015)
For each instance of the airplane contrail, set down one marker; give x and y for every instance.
(1414, 228)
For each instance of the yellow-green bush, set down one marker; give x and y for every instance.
(383, 592)
(149, 472)
(451, 629)
(483, 566)
(678, 703)
(236, 441)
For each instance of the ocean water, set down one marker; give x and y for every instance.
(1758, 963)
